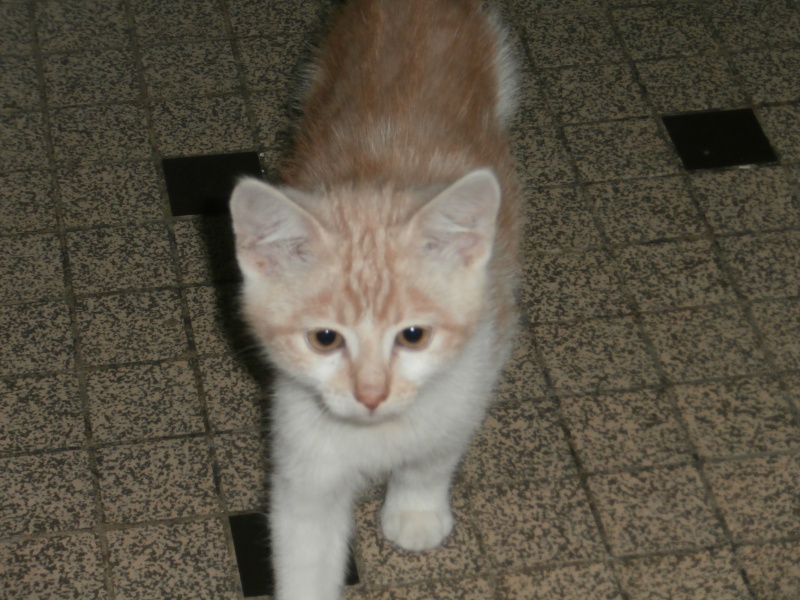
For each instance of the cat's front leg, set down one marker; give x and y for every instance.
(416, 513)
(311, 527)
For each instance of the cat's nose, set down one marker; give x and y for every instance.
(371, 396)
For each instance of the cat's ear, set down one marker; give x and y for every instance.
(272, 231)
(459, 223)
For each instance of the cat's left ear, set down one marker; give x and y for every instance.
(459, 223)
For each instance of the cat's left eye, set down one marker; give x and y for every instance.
(325, 340)
(414, 338)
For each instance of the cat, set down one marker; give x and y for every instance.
(380, 277)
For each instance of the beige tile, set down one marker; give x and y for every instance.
(242, 459)
(542, 158)
(750, 23)
(19, 84)
(216, 326)
(557, 219)
(664, 31)
(782, 126)
(770, 75)
(91, 77)
(589, 582)
(522, 379)
(773, 570)
(190, 68)
(30, 268)
(38, 338)
(81, 24)
(468, 588)
(22, 141)
(28, 202)
(159, 22)
(766, 265)
(779, 322)
(236, 392)
(206, 250)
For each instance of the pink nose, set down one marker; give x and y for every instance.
(371, 396)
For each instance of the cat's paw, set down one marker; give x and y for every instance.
(417, 529)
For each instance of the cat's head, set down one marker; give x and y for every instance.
(363, 295)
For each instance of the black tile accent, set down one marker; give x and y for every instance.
(202, 185)
(251, 543)
(719, 139)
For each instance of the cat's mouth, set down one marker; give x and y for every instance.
(350, 411)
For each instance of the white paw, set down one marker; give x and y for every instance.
(417, 530)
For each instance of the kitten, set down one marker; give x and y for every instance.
(380, 279)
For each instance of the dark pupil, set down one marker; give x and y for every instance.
(326, 337)
(412, 335)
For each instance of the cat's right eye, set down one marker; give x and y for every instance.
(325, 340)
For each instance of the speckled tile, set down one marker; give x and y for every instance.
(673, 275)
(655, 511)
(234, 396)
(766, 265)
(620, 150)
(526, 524)
(56, 567)
(624, 430)
(690, 84)
(206, 250)
(652, 32)
(542, 158)
(214, 317)
(738, 417)
(712, 574)
(91, 77)
(779, 322)
(40, 413)
(272, 64)
(782, 126)
(22, 141)
(563, 39)
(746, 200)
(159, 22)
(190, 126)
(750, 23)
(243, 469)
(181, 561)
(19, 83)
(15, 32)
(38, 338)
(645, 210)
(463, 588)
(758, 497)
(292, 19)
(570, 286)
(144, 401)
(100, 133)
(589, 582)
(156, 480)
(28, 203)
(557, 219)
(131, 327)
(518, 442)
(190, 69)
(773, 570)
(531, 9)
(30, 267)
(703, 343)
(522, 378)
(46, 493)
(384, 563)
(770, 75)
(117, 258)
(64, 25)
(595, 93)
(596, 355)
(110, 194)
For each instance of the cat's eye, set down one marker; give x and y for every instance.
(325, 340)
(414, 337)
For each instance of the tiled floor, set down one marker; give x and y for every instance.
(646, 438)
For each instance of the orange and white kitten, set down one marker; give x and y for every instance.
(380, 279)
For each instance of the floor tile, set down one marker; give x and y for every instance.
(530, 524)
(38, 413)
(518, 442)
(56, 567)
(190, 69)
(38, 338)
(664, 31)
(770, 75)
(570, 286)
(749, 23)
(28, 203)
(215, 323)
(15, 33)
(469, 587)
(779, 322)
(595, 356)
(746, 200)
(523, 378)
(80, 24)
(206, 250)
(673, 275)
(624, 430)
(557, 219)
(772, 570)
(620, 150)
(655, 511)
(22, 141)
(110, 194)
(19, 84)
(766, 265)
(384, 563)
(758, 497)
(181, 561)
(117, 258)
(294, 18)
(157, 22)
(30, 267)
(563, 39)
(92, 77)
(279, 73)
(712, 574)
(243, 469)
(131, 328)
(46, 493)
(590, 582)
(782, 125)
(234, 396)
(738, 417)
(645, 210)
(728, 347)
(144, 401)
(157, 480)
(542, 156)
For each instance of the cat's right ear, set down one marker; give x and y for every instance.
(272, 231)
